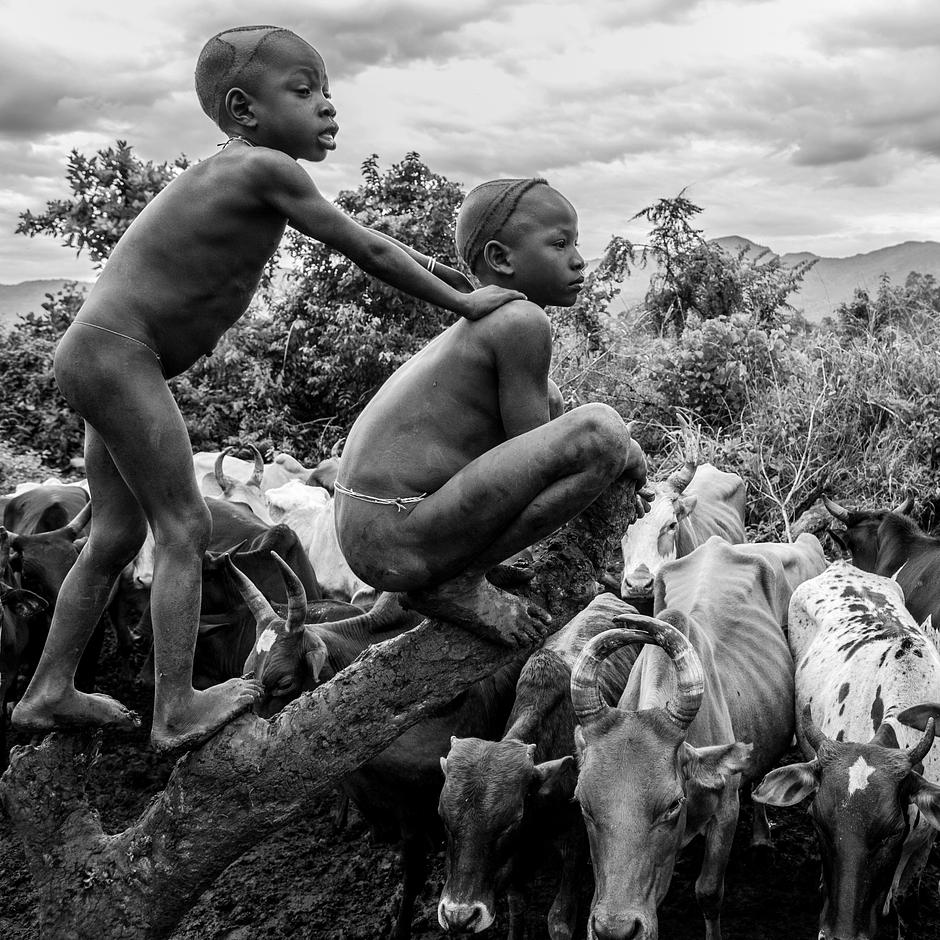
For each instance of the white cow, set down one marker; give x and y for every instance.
(690, 506)
(863, 668)
(249, 491)
(308, 510)
(281, 470)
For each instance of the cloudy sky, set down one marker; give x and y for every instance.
(801, 124)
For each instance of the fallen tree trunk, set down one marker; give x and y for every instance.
(256, 776)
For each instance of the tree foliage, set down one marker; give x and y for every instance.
(33, 413)
(916, 303)
(109, 189)
(697, 277)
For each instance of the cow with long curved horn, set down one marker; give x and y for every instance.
(708, 706)
(870, 671)
(248, 492)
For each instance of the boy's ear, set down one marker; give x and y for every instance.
(238, 108)
(496, 257)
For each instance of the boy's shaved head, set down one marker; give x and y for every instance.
(485, 212)
(230, 58)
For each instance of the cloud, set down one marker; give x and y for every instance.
(897, 27)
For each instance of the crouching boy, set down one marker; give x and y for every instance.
(464, 456)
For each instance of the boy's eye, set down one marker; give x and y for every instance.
(303, 90)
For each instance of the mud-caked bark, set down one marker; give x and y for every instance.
(256, 776)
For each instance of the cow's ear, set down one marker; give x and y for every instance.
(315, 652)
(556, 779)
(24, 603)
(79, 543)
(685, 505)
(838, 537)
(788, 785)
(926, 797)
(710, 767)
(917, 715)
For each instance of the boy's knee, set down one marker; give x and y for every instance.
(191, 528)
(605, 438)
(116, 542)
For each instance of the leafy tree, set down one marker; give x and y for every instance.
(109, 190)
(698, 277)
(33, 413)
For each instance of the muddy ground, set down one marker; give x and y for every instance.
(310, 881)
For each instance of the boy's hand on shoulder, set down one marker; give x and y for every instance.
(485, 300)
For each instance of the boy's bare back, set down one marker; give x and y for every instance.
(467, 391)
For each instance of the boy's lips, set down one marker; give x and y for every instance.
(328, 138)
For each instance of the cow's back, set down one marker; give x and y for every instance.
(43, 508)
(734, 600)
(861, 658)
(718, 511)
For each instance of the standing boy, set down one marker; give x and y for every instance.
(181, 275)
(464, 456)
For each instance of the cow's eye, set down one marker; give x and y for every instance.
(674, 808)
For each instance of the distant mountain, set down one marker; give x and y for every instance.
(26, 297)
(829, 282)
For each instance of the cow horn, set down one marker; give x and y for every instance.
(225, 483)
(919, 751)
(690, 677)
(258, 473)
(682, 477)
(586, 697)
(905, 508)
(835, 510)
(296, 597)
(258, 604)
(814, 736)
(74, 527)
(337, 449)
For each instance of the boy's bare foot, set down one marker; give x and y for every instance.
(39, 713)
(509, 576)
(471, 602)
(188, 724)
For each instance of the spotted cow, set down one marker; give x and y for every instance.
(690, 506)
(863, 667)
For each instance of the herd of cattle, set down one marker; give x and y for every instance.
(623, 737)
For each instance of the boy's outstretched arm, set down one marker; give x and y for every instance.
(285, 185)
(456, 279)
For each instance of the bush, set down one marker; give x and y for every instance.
(718, 366)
